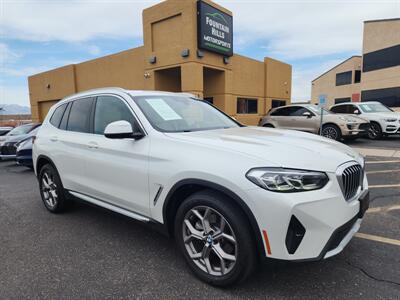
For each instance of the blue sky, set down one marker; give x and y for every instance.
(311, 35)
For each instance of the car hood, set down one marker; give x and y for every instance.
(275, 147)
(14, 138)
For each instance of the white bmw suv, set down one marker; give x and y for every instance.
(384, 121)
(228, 194)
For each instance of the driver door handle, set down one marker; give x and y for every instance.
(93, 145)
(54, 139)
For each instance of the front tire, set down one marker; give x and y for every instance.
(375, 131)
(331, 131)
(51, 189)
(215, 239)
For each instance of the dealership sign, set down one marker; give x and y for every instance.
(214, 32)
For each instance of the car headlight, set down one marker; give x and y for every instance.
(389, 120)
(287, 180)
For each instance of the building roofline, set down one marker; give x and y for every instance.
(382, 20)
(335, 67)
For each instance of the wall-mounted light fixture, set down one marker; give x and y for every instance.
(185, 52)
(147, 75)
(152, 59)
(48, 86)
(226, 60)
(200, 54)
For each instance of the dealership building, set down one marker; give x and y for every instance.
(374, 76)
(188, 47)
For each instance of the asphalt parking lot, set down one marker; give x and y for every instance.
(91, 253)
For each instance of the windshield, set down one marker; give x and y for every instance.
(24, 129)
(182, 114)
(317, 110)
(374, 108)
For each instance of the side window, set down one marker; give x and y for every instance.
(279, 112)
(300, 111)
(110, 109)
(64, 120)
(352, 109)
(341, 109)
(57, 115)
(79, 116)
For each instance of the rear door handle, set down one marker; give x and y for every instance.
(54, 139)
(93, 145)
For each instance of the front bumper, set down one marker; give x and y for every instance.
(329, 220)
(8, 151)
(355, 129)
(391, 127)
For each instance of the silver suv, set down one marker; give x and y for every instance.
(307, 117)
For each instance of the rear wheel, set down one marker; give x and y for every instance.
(215, 239)
(51, 189)
(331, 131)
(375, 131)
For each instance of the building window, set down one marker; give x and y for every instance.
(357, 76)
(389, 96)
(247, 106)
(342, 100)
(277, 103)
(384, 58)
(343, 78)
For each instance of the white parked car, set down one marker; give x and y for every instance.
(384, 121)
(229, 194)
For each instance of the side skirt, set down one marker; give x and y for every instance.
(117, 209)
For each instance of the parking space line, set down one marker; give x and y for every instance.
(383, 171)
(383, 209)
(377, 238)
(382, 162)
(379, 186)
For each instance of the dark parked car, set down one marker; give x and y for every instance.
(8, 142)
(24, 152)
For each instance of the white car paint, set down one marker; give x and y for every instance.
(381, 118)
(134, 177)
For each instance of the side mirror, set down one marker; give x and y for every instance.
(121, 130)
(307, 114)
(357, 112)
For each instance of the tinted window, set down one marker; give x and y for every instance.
(357, 76)
(64, 120)
(343, 78)
(57, 115)
(285, 111)
(299, 112)
(342, 100)
(247, 106)
(79, 116)
(389, 96)
(338, 109)
(110, 109)
(384, 58)
(277, 103)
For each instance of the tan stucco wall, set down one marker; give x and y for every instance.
(170, 27)
(380, 35)
(326, 83)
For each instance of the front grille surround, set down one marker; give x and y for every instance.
(350, 177)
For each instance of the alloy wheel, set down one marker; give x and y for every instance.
(49, 189)
(209, 240)
(330, 133)
(373, 131)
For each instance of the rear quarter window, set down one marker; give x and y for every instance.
(57, 115)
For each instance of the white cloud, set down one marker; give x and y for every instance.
(94, 50)
(7, 55)
(71, 20)
(302, 77)
(14, 95)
